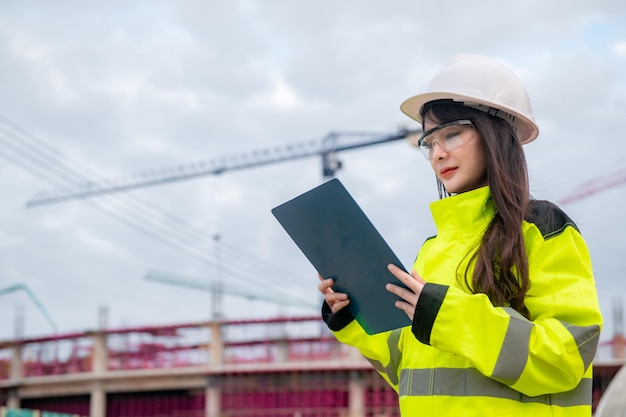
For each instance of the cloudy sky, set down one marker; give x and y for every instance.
(104, 90)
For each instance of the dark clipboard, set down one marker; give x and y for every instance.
(340, 241)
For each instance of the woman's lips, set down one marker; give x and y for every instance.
(447, 172)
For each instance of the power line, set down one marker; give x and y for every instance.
(40, 159)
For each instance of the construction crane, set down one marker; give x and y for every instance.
(327, 148)
(31, 295)
(228, 288)
(595, 186)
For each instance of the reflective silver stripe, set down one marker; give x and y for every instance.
(514, 351)
(468, 382)
(586, 338)
(391, 370)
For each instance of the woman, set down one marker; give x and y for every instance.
(504, 310)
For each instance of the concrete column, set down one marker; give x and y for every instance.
(100, 364)
(13, 400)
(15, 374)
(356, 395)
(213, 397)
(282, 350)
(97, 402)
(216, 356)
(100, 358)
(16, 362)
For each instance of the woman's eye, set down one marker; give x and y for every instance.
(452, 135)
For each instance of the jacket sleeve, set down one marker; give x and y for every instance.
(549, 353)
(382, 350)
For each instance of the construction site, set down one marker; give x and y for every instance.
(282, 366)
(287, 366)
(145, 146)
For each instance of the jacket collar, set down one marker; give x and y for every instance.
(465, 213)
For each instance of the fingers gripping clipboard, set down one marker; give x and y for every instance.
(336, 236)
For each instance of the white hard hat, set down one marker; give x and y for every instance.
(482, 83)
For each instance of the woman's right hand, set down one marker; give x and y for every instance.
(335, 300)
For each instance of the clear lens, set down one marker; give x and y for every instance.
(448, 136)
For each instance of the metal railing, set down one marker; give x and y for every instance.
(263, 341)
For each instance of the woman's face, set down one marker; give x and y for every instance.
(460, 169)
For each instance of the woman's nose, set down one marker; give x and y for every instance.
(437, 152)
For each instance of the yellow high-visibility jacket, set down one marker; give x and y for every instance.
(464, 357)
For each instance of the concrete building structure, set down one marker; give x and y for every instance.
(274, 367)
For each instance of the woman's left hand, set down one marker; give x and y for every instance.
(414, 282)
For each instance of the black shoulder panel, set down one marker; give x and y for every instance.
(549, 218)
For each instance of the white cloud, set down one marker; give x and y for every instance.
(283, 96)
(619, 49)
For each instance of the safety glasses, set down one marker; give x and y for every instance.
(447, 136)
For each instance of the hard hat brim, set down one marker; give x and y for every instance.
(527, 129)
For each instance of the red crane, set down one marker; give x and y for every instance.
(595, 186)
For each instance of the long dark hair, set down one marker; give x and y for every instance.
(501, 269)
